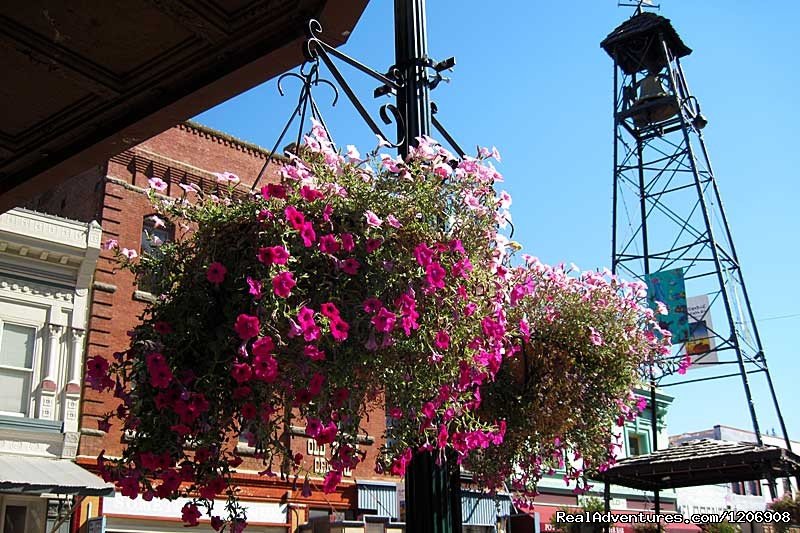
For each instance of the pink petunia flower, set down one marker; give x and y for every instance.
(273, 255)
(339, 329)
(348, 243)
(157, 184)
(254, 287)
(373, 244)
(384, 320)
(129, 253)
(329, 310)
(216, 273)
(372, 219)
(295, 218)
(110, 244)
(283, 283)
(442, 340)
(241, 372)
(328, 244)
(393, 222)
(595, 337)
(247, 326)
(434, 275)
(350, 266)
(307, 234)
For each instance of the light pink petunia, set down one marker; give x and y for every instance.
(129, 253)
(372, 219)
(157, 184)
(393, 222)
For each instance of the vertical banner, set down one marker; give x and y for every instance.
(668, 287)
(700, 345)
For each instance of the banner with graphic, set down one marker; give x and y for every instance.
(700, 345)
(668, 287)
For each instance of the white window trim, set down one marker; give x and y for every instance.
(37, 362)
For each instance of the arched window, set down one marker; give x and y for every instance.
(155, 233)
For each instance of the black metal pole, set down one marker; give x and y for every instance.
(433, 491)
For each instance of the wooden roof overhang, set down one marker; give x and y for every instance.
(87, 80)
(702, 462)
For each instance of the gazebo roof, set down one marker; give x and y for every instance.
(702, 462)
(631, 44)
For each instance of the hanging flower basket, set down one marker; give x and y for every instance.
(304, 304)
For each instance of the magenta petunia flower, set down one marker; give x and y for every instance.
(350, 266)
(423, 254)
(348, 243)
(305, 317)
(246, 326)
(442, 340)
(273, 255)
(263, 346)
(372, 305)
(329, 310)
(273, 190)
(373, 244)
(314, 353)
(384, 320)
(295, 218)
(434, 275)
(265, 368)
(283, 283)
(328, 244)
(216, 273)
(307, 234)
(241, 372)
(339, 329)
(254, 287)
(309, 194)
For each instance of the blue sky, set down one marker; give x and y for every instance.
(532, 80)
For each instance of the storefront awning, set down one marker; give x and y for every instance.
(40, 475)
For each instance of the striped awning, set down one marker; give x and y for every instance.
(40, 475)
(378, 497)
(481, 509)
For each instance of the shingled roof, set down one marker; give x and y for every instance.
(702, 462)
(633, 47)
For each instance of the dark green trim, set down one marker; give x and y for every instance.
(30, 424)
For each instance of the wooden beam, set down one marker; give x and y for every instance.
(56, 58)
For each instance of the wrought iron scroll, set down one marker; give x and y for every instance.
(318, 52)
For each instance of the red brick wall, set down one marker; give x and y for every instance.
(78, 198)
(171, 156)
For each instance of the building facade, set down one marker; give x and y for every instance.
(114, 194)
(46, 268)
(738, 496)
(634, 438)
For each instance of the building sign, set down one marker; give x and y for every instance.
(668, 287)
(700, 345)
(96, 525)
(319, 453)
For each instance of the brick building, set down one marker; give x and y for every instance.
(113, 194)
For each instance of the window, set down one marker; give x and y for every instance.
(16, 368)
(22, 515)
(155, 232)
(638, 443)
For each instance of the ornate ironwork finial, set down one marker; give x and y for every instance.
(640, 5)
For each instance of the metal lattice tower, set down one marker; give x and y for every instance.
(667, 208)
